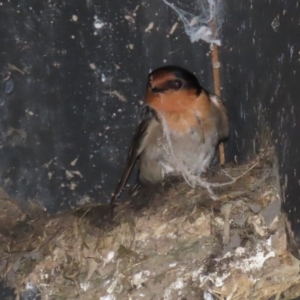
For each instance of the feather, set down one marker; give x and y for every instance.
(147, 114)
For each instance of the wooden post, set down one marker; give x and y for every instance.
(216, 74)
(217, 89)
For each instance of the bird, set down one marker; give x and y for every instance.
(181, 126)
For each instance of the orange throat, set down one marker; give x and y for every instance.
(179, 109)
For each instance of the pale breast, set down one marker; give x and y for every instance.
(191, 152)
(172, 153)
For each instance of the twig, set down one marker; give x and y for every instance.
(225, 210)
(49, 239)
(14, 68)
(116, 94)
(209, 185)
(234, 179)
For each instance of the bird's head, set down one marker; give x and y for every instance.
(172, 89)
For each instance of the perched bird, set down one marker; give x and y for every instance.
(181, 126)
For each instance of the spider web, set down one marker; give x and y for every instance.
(204, 26)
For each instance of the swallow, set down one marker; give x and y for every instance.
(180, 129)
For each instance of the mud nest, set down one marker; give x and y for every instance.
(179, 243)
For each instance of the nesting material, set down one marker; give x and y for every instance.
(179, 244)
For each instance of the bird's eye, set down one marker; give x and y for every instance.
(176, 84)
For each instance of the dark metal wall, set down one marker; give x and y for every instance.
(261, 69)
(72, 81)
(73, 76)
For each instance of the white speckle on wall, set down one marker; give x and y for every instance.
(149, 27)
(98, 24)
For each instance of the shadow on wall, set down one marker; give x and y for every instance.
(260, 66)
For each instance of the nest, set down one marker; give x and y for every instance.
(179, 244)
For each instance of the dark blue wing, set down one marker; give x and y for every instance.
(147, 114)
